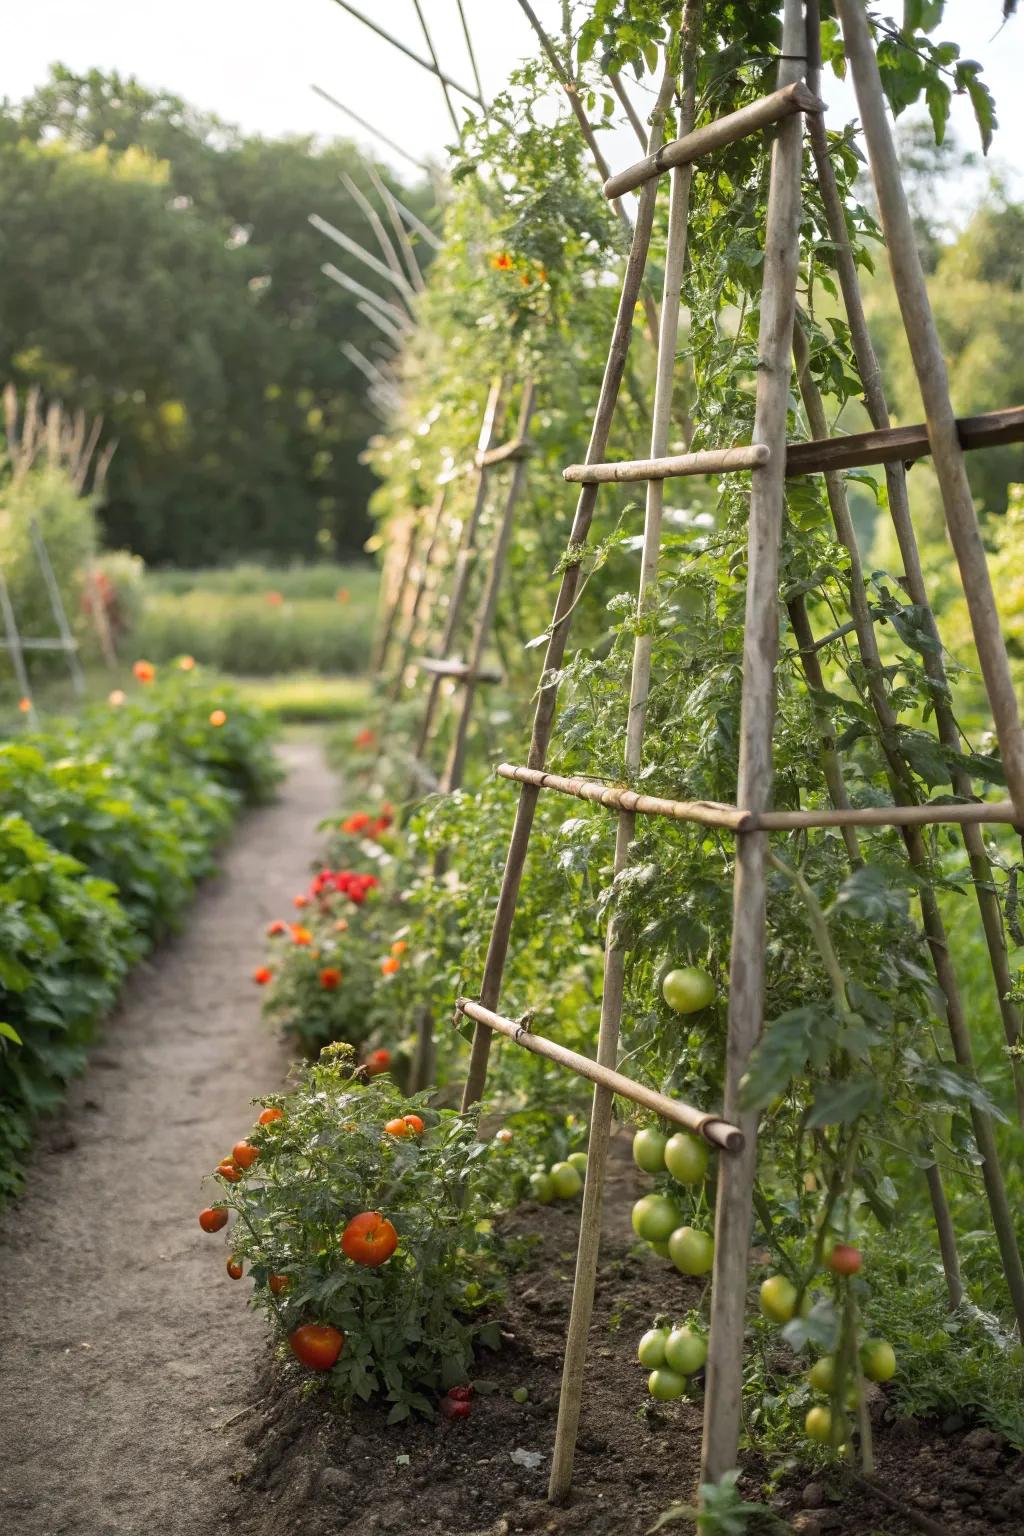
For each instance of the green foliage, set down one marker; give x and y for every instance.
(105, 827)
(240, 431)
(45, 498)
(256, 636)
(412, 1324)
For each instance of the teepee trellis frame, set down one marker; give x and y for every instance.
(769, 460)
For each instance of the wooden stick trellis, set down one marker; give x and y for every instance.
(769, 460)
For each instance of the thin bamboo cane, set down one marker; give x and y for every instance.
(398, 316)
(903, 788)
(378, 318)
(516, 448)
(375, 133)
(709, 813)
(630, 111)
(899, 510)
(460, 669)
(387, 197)
(497, 949)
(68, 643)
(384, 643)
(733, 1206)
(368, 259)
(708, 461)
(571, 1396)
(471, 52)
(437, 65)
(947, 455)
(460, 579)
(373, 218)
(727, 1138)
(783, 103)
(419, 591)
(409, 52)
(14, 646)
(900, 445)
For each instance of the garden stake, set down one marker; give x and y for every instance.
(899, 510)
(408, 638)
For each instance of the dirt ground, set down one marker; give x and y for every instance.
(123, 1351)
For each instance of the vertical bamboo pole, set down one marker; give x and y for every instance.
(433, 526)
(14, 649)
(947, 455)
(733, 1204)
(57, 608)
(903, 790)
(423, 1064)
(394, 608)
(463, 559)
(497, 949)
(899, 511)
(571, 1397)
(489, 600)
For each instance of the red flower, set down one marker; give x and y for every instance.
(276, 927)
(275, 599)
(356, 822)
(301, 901)
(330, 978)
(502, 262)
(262, 975)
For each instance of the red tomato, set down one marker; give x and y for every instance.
(454, 1408)
(235, 1269)
(244, 1153)
(270, 1115)
(213, 1218)
(279, 1283)
(377, 1061)
(229, 1169)
(460, 1394)
(317, 1345)
(414, 1123)
(844, 1260)
(369, 1239)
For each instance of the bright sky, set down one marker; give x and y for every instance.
(253, 61)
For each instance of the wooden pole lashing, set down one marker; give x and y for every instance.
(733, 1205)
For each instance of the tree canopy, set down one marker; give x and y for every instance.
(159, 269)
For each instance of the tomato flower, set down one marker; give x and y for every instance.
(330, 978)
(217, 717)
(262, 975)
(144, 671)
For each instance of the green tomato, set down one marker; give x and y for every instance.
(655, 1218)
(519, 1394)
(541, 1188)
(878, 1360)
(822, 1374)
(686, 1158)
(688, 989)
(566, 1181)
(579, 1161)
(691, 1251)
(778, 1299)
(651, 1349)
(666, 1385)
(661, 1249)
(685, 1351)
(649, 1151)
(818, 1424)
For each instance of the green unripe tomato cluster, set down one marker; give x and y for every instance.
(563, 1181)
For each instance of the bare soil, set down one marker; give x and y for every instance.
(123, 1348)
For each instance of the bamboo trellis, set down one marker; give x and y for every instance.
(769, 459)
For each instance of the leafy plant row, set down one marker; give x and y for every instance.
(107, 824)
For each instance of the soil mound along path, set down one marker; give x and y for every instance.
(124, 1348)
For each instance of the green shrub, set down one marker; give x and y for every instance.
(411, 1323)
(247, 634)
(325, 580)
(68, 525)
(65, 945)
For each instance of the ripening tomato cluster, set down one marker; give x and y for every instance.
(346, 881)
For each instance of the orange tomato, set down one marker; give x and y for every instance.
(317, 1345)
(414, 1123)
(244, 1153)
(267, 1116)
(229, 1169)
(399, 947)
(369, 1239)
(217, 717)
(213, 1218)
(377, 1061)
(400, 1127)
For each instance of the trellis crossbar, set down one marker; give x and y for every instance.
(462, 670)
(713, 813)
(728, 1138)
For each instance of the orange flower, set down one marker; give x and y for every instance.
(144, 671)
(217, 717)
(399, 947)
(542, 275)
(330, 977)
(389, 966)
(262, 975)
(525, 279)
(364, 739)
(301, 901)
(300, 935)
(341, 925)
(502, 262)
(342, 594)
(275, 599)
(24, 705)
(116, 697)
(186, 663)
(276, 927)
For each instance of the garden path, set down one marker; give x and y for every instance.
(124, 1347)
